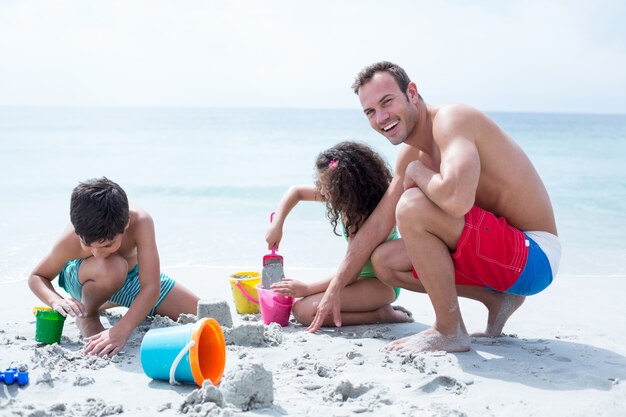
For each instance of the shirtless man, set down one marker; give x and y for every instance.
(475, 217)
(108, 257)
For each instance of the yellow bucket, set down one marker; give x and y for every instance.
(243, 286)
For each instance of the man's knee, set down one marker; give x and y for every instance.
(379, 257)
(413, 208)
(381, 262)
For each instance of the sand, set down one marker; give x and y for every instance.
(564, 354)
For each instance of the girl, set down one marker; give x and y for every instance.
(351, 180)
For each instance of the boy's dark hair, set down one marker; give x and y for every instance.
(355, 178)
(98, 210)
(367, 73)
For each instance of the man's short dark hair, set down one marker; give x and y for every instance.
(367, 73)
(98, 210)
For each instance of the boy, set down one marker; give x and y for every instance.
(108, 257)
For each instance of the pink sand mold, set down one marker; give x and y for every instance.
(275, 307)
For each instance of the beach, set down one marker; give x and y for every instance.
(564, 354)
(210, 183)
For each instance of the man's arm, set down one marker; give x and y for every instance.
(373, 232)
(453, 186)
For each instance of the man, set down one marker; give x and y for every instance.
(475, 217)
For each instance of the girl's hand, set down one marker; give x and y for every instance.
(70, 306)
(273, 236)
(291, 287)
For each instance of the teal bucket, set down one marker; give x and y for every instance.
(190, 353)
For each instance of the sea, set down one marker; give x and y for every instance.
(210, 178)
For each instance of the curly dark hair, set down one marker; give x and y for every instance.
(355, 180)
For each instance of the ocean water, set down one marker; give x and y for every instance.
(211, 178)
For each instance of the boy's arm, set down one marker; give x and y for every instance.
(111, 341)
(373, 232)
(149, 273)
(40, 279)
(292, 196)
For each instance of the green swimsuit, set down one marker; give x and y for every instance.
(368, 268)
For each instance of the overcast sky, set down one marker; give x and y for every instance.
(558, 56)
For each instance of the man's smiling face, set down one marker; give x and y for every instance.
(387, 108)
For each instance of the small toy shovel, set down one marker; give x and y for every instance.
(272, 267)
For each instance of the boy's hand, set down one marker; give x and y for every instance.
(291, 287)
(273, 236)
(70, 306)
(107, 343)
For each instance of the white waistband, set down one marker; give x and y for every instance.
(550, 245)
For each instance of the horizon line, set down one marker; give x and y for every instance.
(292, 108)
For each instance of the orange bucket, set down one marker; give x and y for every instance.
(191, 353)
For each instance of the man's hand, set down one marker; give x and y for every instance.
(107, 343)
(70, 306)
(329, 304)
(291, 287)
(413, 170)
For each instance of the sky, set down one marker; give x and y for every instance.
(547, 56)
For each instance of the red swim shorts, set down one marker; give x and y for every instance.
(490, 252)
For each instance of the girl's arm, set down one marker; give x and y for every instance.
(295, 288)
(293, 196)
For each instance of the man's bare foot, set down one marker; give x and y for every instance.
(430, 340)
(89, 326)
(394, 314)
(499, 313)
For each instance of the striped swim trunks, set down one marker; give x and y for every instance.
(68, 280)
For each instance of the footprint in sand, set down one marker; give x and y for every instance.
(443, 383)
